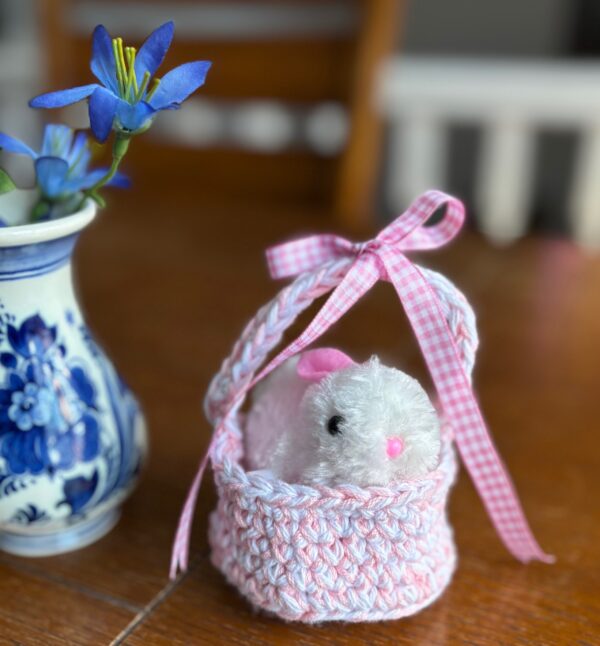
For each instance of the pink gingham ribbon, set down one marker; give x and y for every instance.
(383, 258)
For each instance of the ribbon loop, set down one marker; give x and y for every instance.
(384, 258)
(409, 233)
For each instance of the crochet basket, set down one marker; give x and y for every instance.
(317, 554)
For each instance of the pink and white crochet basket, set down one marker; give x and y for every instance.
(317, 554)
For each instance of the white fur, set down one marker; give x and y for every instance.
(377, 403)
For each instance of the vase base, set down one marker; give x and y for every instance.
(72, 538)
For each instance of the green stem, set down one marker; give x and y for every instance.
(120, 146)
(39, 210)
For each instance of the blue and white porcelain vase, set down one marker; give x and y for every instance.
(72, 437)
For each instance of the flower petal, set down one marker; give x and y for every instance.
(103, 60)
(103, 107)
(153, 51)
(12, 145)
(79, 144)
(132, 117)
(51, 173)
(76, 184)
(179, 83)
(62, 97)
(79, 156)
(120, 180)
(57, 141)
(81, 183)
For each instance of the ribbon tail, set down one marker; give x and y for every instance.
(474, 442)
(181, 544)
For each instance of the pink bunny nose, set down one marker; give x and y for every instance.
(395, 446)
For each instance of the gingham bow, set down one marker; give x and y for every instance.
(405, 233)
(383, 258)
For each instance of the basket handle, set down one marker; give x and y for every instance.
(263, 333)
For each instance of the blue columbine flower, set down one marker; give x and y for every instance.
(128, 98)
(61, 166)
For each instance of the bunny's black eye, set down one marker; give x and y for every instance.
(333, 425)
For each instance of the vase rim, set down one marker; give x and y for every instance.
(25, 234)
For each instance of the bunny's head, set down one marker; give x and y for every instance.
(369, 424)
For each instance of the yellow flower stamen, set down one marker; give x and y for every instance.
(125, 71)
(131, 78)
(143, 86)
(155, 84)
(120, 77)
(122, 61)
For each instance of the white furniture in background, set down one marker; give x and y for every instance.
(511, 101)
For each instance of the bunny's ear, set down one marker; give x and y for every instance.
(314, 365)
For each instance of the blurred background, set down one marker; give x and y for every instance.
(350, 106)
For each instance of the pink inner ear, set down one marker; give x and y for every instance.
(314, 365)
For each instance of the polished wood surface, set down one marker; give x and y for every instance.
(167, 286)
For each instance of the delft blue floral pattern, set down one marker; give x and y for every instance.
(30, 407)
(29, 514)
(79, 491)
(50, 420)
(48, 411)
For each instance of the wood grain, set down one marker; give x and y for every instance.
(167, 286)
(38, 611)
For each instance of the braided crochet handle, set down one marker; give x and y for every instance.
(264, 331)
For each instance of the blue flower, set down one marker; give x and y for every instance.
(30, 406)
(127, 98)
(61, 166)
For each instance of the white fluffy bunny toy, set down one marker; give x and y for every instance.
(323, 419)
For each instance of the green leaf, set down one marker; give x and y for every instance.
(100, 201)
(6, 183)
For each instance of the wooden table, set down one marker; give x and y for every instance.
(167, 286)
